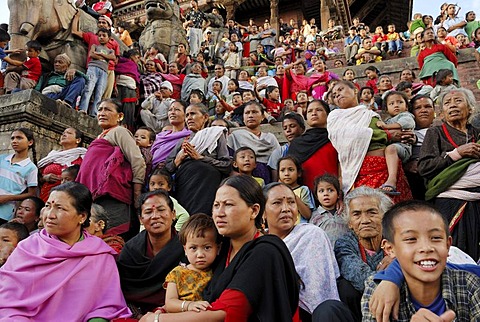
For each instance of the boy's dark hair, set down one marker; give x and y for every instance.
(403, 85)
(4, 36)
(402, 207)
(105, 30)
(390, 93)
(33, 44)
(373, 69)
(248, 91)
(219, 82)
(20, 229)
(164, 173)
(359, 95)
(441, 74)
(243, 148)
(151, 132)
(196, 226)
(329, 178)
(73, 170)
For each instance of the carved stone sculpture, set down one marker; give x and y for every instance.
(49, 22)
(163, 27)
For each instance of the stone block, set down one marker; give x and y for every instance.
(45, 117)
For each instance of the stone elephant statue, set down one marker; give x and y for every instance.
(163, 27)
(49, 22)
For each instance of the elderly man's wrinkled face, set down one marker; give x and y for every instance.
(60, 65)
(365, 217)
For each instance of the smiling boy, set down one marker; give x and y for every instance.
(430, 292)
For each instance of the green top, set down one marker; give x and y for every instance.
(54, 78)
(379, 137)
(470, 28)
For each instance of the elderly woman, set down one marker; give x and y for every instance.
(147, 258)
(113, 168)
(255, 277)
(166, 141)
(313, 148)
(62, 264)
(449, 159)
(200, 162)
(361, 144)
(359, 251)
(262, 143)
(56, 161)
(311, 251)
(434, 57)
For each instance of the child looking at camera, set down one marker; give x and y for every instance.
(185, 283)
(245, 161)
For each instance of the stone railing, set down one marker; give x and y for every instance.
(45, 117)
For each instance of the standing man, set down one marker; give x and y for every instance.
(195, 19)
(91, 39)
(454, 24)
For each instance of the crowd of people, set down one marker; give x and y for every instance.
(172, 214)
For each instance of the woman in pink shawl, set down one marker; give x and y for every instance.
(165, 141)
(297, 81)
(62, 273)
(320, 70)
(175, 78)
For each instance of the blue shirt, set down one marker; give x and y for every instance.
(15, 178)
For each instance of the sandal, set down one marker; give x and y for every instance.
(389, 190)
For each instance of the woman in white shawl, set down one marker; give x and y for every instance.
(361, 144)
(312, 255)
(262, 143)
(56, 161)
(199, 162)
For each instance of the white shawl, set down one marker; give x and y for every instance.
(62, 157)
(350, 135)
(207, 138)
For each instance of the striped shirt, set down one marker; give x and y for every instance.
(15, 178)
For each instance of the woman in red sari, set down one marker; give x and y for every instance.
(434, 57)
(361, 144)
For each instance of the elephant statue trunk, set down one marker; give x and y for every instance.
(26, 28)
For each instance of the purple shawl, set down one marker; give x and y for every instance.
(127, 67)
(46, 279)
(105, 171)
(164, 144)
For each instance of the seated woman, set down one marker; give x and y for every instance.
(62, 264)
(449, 159)
(199, 163)
(361, 144)
(359, 251)
(313, 148)
(98, 227)
(255, 278)
(52, 165)
(165, 141)
(434, 57)
(147, 258)
(312, 254)
(262, 143)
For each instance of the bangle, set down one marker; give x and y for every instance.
(157, 316)
(389, 135)
(183, 306)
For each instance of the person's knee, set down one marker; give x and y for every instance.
(332, 311)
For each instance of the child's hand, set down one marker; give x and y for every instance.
(198, 306)
(381, 124)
